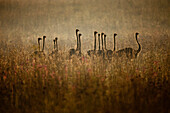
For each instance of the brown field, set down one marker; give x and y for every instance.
(29, 84)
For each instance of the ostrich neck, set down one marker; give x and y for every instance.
(105, 43)
(114, 44)
(54, 45)
(39, 45)
(43, 43)
(79, 45)
(94, 42)
(77, 41)
(138, 44)
(102, 41)
(99, 41)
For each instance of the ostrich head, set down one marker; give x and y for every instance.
(56, 39)
(98, 35)
(102, 34)
(44, 37)
(137, 33)
(95, 32)
(39, 39)
(77, 30)
(80, 35)
(115, 34)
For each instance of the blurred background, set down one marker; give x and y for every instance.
(23, 21)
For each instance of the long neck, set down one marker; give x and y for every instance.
(139, 49)
(99, 41)
(39, 45)
(43, 44)
(114, 44)
(56, 45)
(94, 42)
(79, 45)
(102, 41)
(105, 42)
(77, 41)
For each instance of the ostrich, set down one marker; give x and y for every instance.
(80, 44)
(74, 51)
(92, 52)
(55, 51)
(110, 52)
(114, 42)
(37, 52)
(54, 44)
(129, 52)
(105, 42)
(99, 52)
(77, 36)
(44, 37)
(56, 39)
(102, 40)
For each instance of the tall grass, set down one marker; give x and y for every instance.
(89, 85)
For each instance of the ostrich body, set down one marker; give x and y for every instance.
(129, 52)
(92, 52)
(37, 52)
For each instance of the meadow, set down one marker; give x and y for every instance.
(83, 84)
(32, 84)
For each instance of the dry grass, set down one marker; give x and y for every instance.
(32, 84)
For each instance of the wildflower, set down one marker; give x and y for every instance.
(89, 70)
(155, 74)
(52, 74)
(4, 77)
(39, 66)
(98, 76)
(45, 68)
(156, 62)
(128, 77)
(83, 58)
(103, 79)
(66, 69)
(73, 87)
(78, 72)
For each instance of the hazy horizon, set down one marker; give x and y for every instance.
(27, 20)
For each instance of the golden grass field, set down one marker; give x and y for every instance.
(32, 84)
